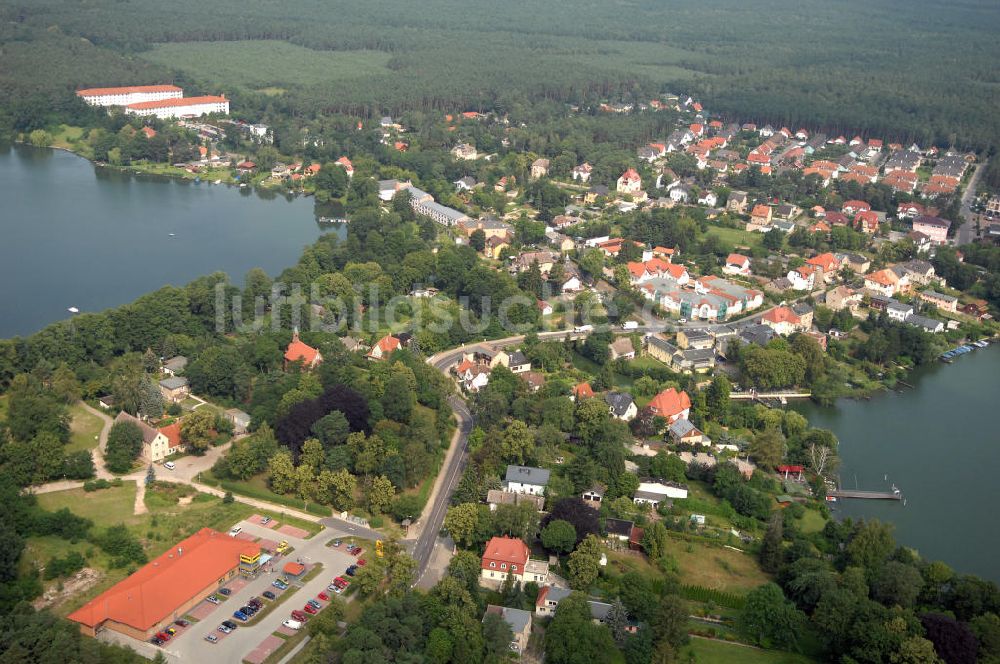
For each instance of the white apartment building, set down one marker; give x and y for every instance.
(131, 94)
(180, 107)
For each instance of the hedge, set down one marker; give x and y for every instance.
(702, 594)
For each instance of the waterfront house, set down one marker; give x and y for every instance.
(940, 300)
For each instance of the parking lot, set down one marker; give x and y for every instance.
(254, 641)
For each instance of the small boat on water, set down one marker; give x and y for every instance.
(217, 182)
(334, 220)
(73, 310)
(242, 184)
(172, 234)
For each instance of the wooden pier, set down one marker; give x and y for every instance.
(867, 495)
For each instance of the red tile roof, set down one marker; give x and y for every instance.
(670, 403)
(128, 89)
(505, 550)
(294, 568)
(583, 391)
(299, 350)
(151, 595)
(176, 101)
(173, 433)
(826, 261)
(782, 315)
(737, 259)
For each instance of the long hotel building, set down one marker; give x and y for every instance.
(131, 94)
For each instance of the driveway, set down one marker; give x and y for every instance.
(192, 647)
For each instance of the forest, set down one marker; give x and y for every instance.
(891, 70)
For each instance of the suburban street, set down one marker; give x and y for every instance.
(967, 231)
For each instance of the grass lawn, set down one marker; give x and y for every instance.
(714, 567)
(105, 507)
(735, 236)
(264, 64)
(647, 362)
(85, 428)
(713, 652)
(812, 522)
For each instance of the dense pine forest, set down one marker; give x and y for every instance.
(914, 71)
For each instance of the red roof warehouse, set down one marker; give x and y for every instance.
(167, 587)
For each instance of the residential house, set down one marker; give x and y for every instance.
(654, 493)
(708, 198)
(465, 152)
(467, 183)
(940, 300)
(175, 389)
(805, 314)
(758, 334)
(539, 168)
(827, 265)
(737, 264)
(385, 347)
(629, 182)
(898, 311)
(737, 202)
(852, 207)
(660, 349)
(933, 227)
(782, 320)
(346, 164)
(299, 351)
(175, 365)
(886, 283)
(694, 339)
(760, 217)
(239, 419)
(517, 362)
(857, 263)
(802, 277)
(843, 297)
(926, 324)
(545, 259)
(693, 360)
(519, 622)
(526, 479)
(549, 597)
(594, 495)
(867, 222)
(683, 431)
(622, 405)
(505, 556)
(156, 446)
(671, 405)
(496, 497)
(787, 211)
(533, 379)
(680, 193)
(583, 172)
(621, 348)
(919, 271)
(582, 391)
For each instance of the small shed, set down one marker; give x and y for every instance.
(294, 569)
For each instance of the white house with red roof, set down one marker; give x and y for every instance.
(180, 107)
(129, 94)
(737, 264)
(852, 207)
(346, 164)
(629, 182)
(671, 404)
(583, 172)
(827, 265)
(299, 351)
(505, 556)
(782, 320)
(384, 348)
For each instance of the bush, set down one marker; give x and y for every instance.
(58, 567)
(228, 498)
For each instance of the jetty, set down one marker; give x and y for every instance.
(868, 495)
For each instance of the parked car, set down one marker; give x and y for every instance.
(171, 631)
(362, 562)
(351, 571)
(282, 546)
(269, 595)
(337, 543)
(314, 604)
(229, 623)
(235, 531)
(357, 551)
(292, 624)
(156, 642)
(211, 638)
(283, 579)
(169, 465)
(301, 616)
(266, 520)
(239, 615)
(225, 591)
(310, 609)
(279, 585)
(323, 596)
(213, 599)
(180, 622)
(255, 602)
(163, 636)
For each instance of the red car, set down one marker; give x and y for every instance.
(357, 552)
(324, 597)
(163, 636)
(362, 562)
(308, 609)
(300, 616)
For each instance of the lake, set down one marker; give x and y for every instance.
(75, 234)
(938, 443)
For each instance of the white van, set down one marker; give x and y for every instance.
(630, 325)
(169, 465)
(584, 328)
(235, 531)
(292, 624)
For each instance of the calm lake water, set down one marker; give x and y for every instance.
(939, 444)
(73, 234)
